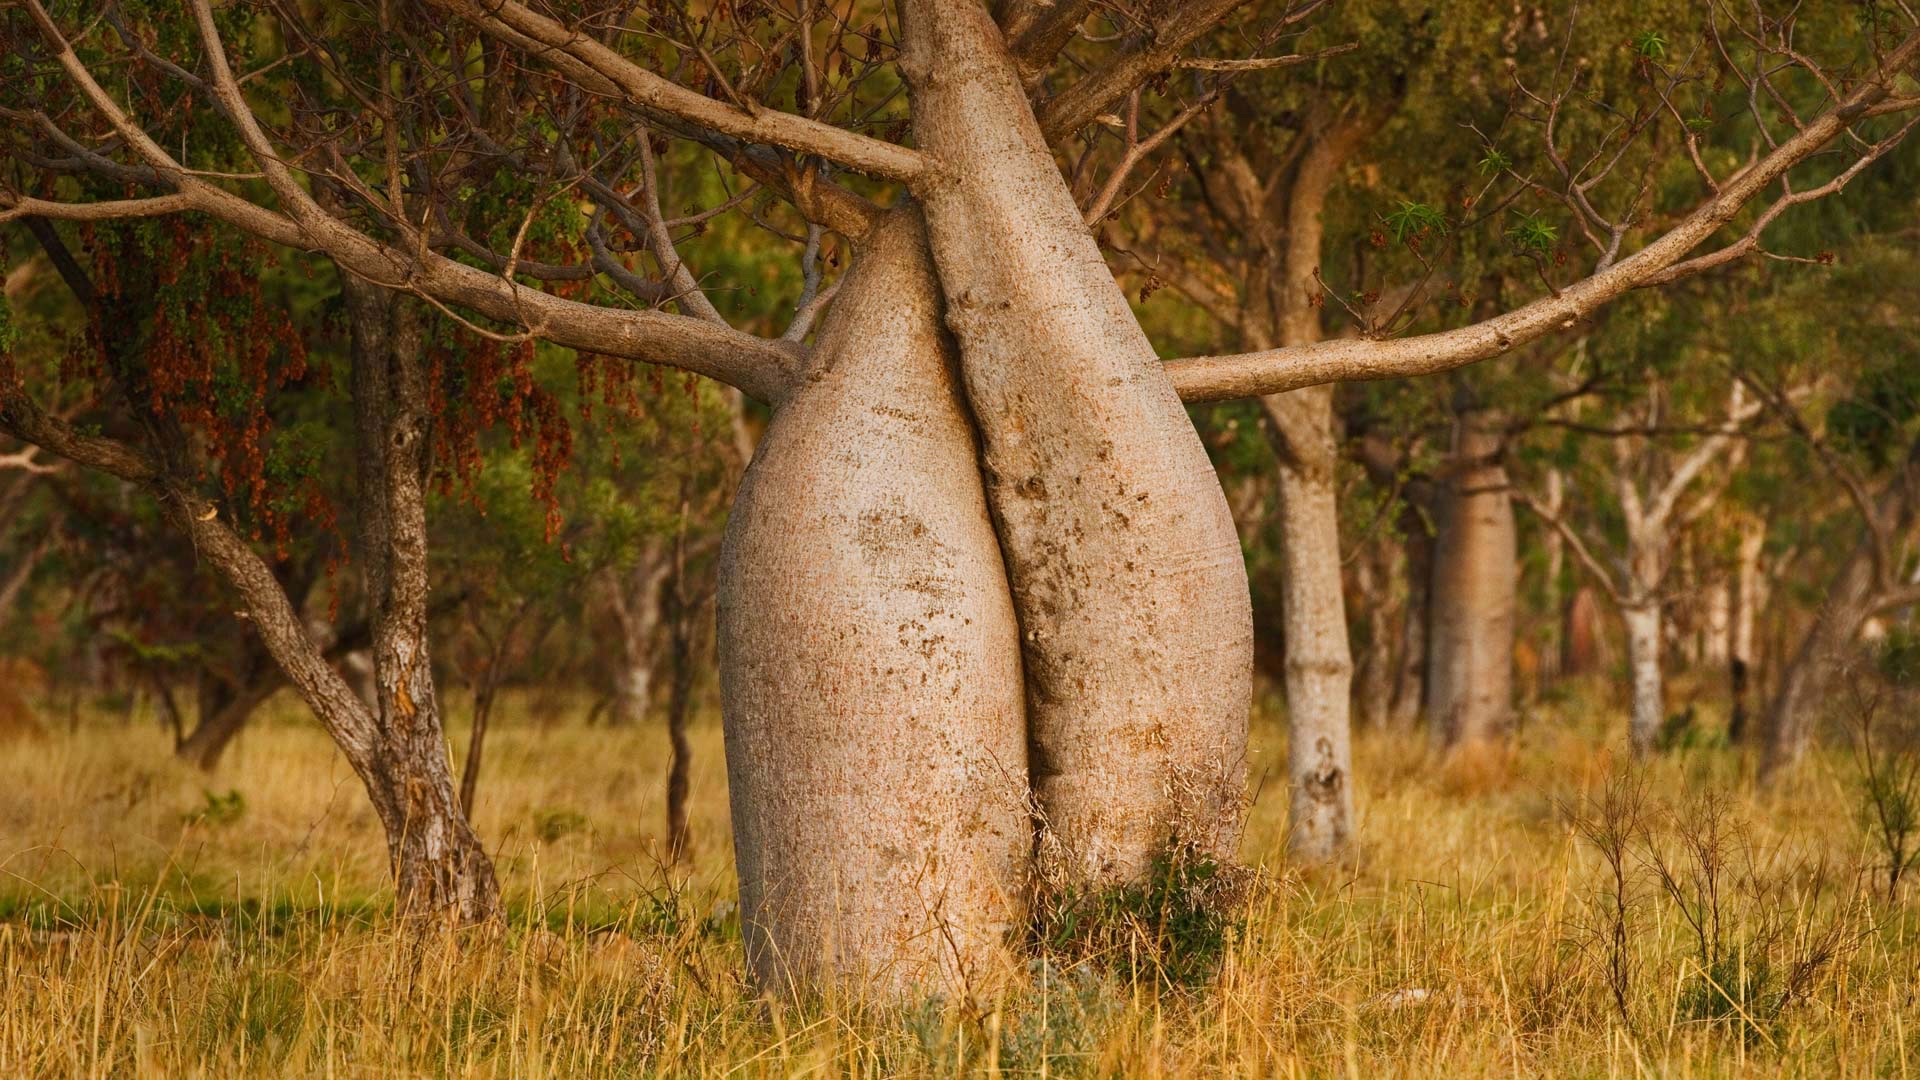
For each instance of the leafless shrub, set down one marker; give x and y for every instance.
(1886, 754)
(1762, 931)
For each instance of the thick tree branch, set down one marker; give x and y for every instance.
(1145, 57)
(1037, 31)
(763, 369)
(1214, 378)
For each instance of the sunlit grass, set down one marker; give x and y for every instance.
(157, 921)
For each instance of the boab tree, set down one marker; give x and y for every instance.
(980, 549)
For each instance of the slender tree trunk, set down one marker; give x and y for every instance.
(1742, 656)
(1373, 674)
(1552, 650)
(635, 597)
(1319, 665)
(1649, 545)
(1716, 632)
(1582, 637)
(400, 755)
(632, 684)
(680, 700)
(1410, 675)
(1319, 654)
(1682, 616)
(216, 728)
(483, 698)
(869, 660)
(1121, 552)
(1789, 722)
(439, 865)
(1643, 624)
(1470, 648)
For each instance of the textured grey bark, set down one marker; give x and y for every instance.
(1469, 692)
(870, 664)
(1125, 567)
(439, 868)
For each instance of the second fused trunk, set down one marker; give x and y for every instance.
(1126, 570)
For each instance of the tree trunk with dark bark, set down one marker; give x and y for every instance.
(683, 608)
(1374, 672)
(219, 722)
(1410, 673)
(439, 866)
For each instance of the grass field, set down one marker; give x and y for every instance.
(157, 921)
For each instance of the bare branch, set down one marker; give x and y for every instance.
(1222, 377)
(1598, 570)
(548, 39)
(761, 368)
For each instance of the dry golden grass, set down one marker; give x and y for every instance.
(156, 924)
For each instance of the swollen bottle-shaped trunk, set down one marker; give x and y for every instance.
(1125, 567)
(1470, 645)
(869, 660)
